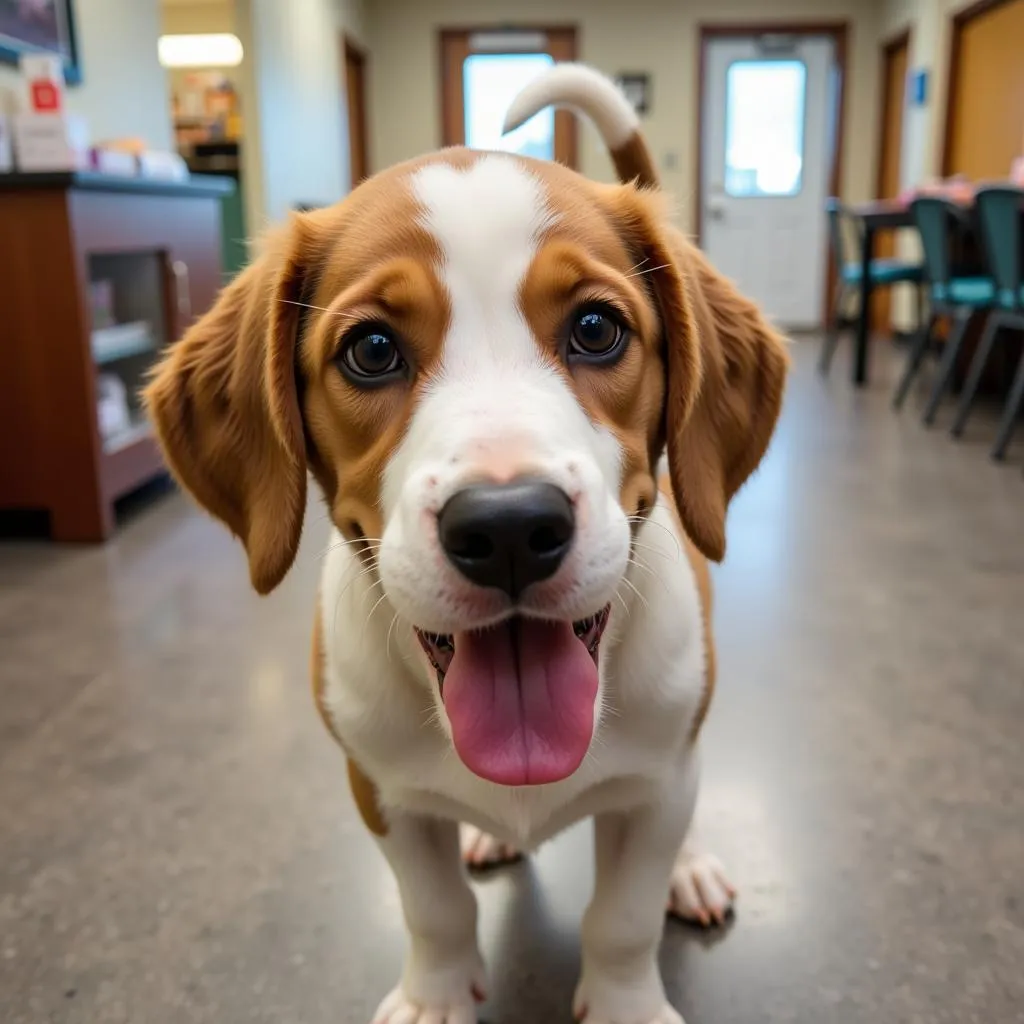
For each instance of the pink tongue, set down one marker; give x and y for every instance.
(520, 699)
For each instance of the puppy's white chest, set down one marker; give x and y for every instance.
(381, 697)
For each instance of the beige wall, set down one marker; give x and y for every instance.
(657, 36)
(293, 80)
(930, 24)
(124, 90)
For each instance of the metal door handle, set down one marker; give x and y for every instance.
(182, 291)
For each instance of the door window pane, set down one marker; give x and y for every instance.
(764, 127)
(490, 82)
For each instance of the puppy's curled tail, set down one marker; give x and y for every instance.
(586, 91)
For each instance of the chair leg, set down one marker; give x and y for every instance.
(947, 364)
(978, 364)
(918, 350)
(1010, 413)
(831, 342)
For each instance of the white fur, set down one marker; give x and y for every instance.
(581, 88)
(498, 409)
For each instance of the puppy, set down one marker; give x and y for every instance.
(481, 359)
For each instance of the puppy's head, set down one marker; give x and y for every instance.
(480, 359)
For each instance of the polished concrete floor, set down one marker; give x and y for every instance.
(177, 842)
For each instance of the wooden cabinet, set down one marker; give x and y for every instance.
(156, 248)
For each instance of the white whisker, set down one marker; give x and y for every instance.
(390, 629)
(629, 583)
(660, 526)
(380, 600)
(319, 309)
(649, 270)
(655, 551)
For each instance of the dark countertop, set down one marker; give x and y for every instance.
(197, 185)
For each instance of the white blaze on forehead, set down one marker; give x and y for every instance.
(487, 219)
(496, 400)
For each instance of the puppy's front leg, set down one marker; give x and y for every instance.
(443, 973)
(622, 927)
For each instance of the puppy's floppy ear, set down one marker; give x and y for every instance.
(725, 366)
(224, 403)
(716, 442)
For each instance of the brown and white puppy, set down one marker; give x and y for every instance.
(481, 359)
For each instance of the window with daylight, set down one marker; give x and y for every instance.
(764, 127)
(490, 82)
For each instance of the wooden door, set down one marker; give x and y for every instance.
(985, 112)
(895, 62)
(457, 45)
(355, 98)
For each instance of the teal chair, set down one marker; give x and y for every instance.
(1000, 214)
(846, 235)
(956, 296)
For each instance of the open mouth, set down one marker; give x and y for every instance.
(440, 647)
(520, 695)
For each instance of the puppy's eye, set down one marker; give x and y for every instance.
(371, 355)
(597, 334)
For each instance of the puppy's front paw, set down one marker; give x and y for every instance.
(666, 1016)
(700, 891)
(599, 1001)
(480, 850)
(397, 1009)
(435, 997)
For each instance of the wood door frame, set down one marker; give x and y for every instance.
(889, 47)
(881, 300)
(960, 21)
(453, 131)
(838, 32)
(353, 52)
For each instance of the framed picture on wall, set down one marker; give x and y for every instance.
(39, 26)
(637, 88)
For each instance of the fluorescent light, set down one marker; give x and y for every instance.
(213, 50)
(508, 42)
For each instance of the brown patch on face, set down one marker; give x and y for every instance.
(380, 269)
(353, 429)
(243, 404)
(585, 258)
(723, 365)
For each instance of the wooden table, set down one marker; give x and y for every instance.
(881, 215)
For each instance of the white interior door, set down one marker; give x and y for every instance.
(768, 122)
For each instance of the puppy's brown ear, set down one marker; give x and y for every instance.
(716, 442)
(224, 404)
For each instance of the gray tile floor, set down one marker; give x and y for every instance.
(177, 842)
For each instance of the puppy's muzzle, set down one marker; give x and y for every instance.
(507, 536)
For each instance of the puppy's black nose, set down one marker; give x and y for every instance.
(507, 535)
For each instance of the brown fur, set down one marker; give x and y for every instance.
(633, 162)
(716, 446)
(225, 401)
(243, 406)
(702, 574)
(363, 790)
(587, 260)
